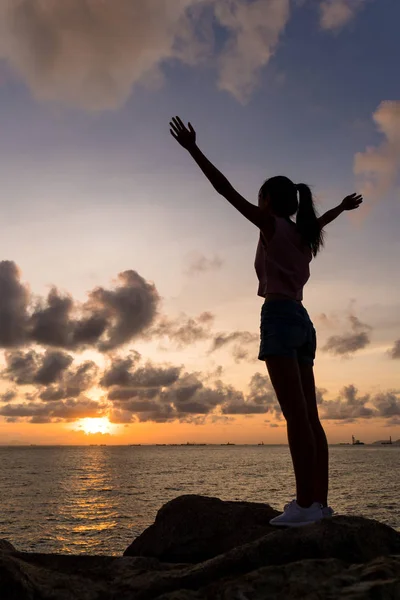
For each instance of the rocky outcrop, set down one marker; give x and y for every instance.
(194, 528)
(342, 557)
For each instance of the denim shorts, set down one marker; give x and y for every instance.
(287, 330)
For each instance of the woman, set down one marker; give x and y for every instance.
(288, 339)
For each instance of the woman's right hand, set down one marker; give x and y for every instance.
(186, 136)
(351, 202)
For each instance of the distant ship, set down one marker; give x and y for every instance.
(355, 442)
(261, 444)
(228, 444)
(135, 444)
(387, 443)
(192, 444)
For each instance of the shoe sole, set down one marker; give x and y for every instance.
(303, 524)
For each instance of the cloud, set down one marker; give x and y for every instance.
(166, 393)
(348, 343)
(198, 264)
(348, 407)
(8, 396)
(256, 28)
(335, 14)
(25, 368)
(387, 404)
(91, 54)
(120, 371)
(244, 348)
(378, 167)
(67, 410)
(183, 330)
(51, 375)
(319, 392)
(14, 300)
(149, 376)
(395, 351)
(136, 392)
(159, 393)
(73, 383)
(260, 399)
(107, 320)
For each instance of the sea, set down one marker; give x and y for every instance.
(97, 499)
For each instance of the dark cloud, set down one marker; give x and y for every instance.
(129, 393)
(183, 330)
(50, 373)
(67, 410)
(120, 371)
(319, 392)
(198, 264)
(73, 383)
(244, 337)
(348, 343)
(8, 396)
(106, 321)
(122, 374)
(395, 351)
(30, 368)
(348, 407)
(387, 404)
(14, 301)
(129, 309)
(260, 399)
(245, 344)
(163, 394)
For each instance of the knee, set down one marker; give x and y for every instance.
(316, 425)
(296, 417)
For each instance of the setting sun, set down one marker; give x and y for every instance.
(92, 426)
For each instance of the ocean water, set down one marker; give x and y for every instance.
(96, 500)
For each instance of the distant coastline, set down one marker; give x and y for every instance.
(378, 443)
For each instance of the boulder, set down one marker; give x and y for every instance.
(6, 546)
(194, 528)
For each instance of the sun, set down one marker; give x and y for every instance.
(91, 425)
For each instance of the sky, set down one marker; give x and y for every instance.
(128, 306)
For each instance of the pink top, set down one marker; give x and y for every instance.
(283, 264)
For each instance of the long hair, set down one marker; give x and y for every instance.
(282, 194)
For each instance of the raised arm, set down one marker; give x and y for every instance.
(349, 203)
(187, 139)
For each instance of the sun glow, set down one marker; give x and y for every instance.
(91, 425)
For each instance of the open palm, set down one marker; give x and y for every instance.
(351, 202)
(186, 136)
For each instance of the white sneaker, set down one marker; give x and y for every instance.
(296, 516)
(327, 511)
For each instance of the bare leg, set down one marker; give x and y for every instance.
(321, 478)
(286, 379)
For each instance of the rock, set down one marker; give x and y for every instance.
(6, 546)
(194, 528)
(344, 557)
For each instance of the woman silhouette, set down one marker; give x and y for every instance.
(288, 340)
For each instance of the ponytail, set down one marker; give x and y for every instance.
(307, 220)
